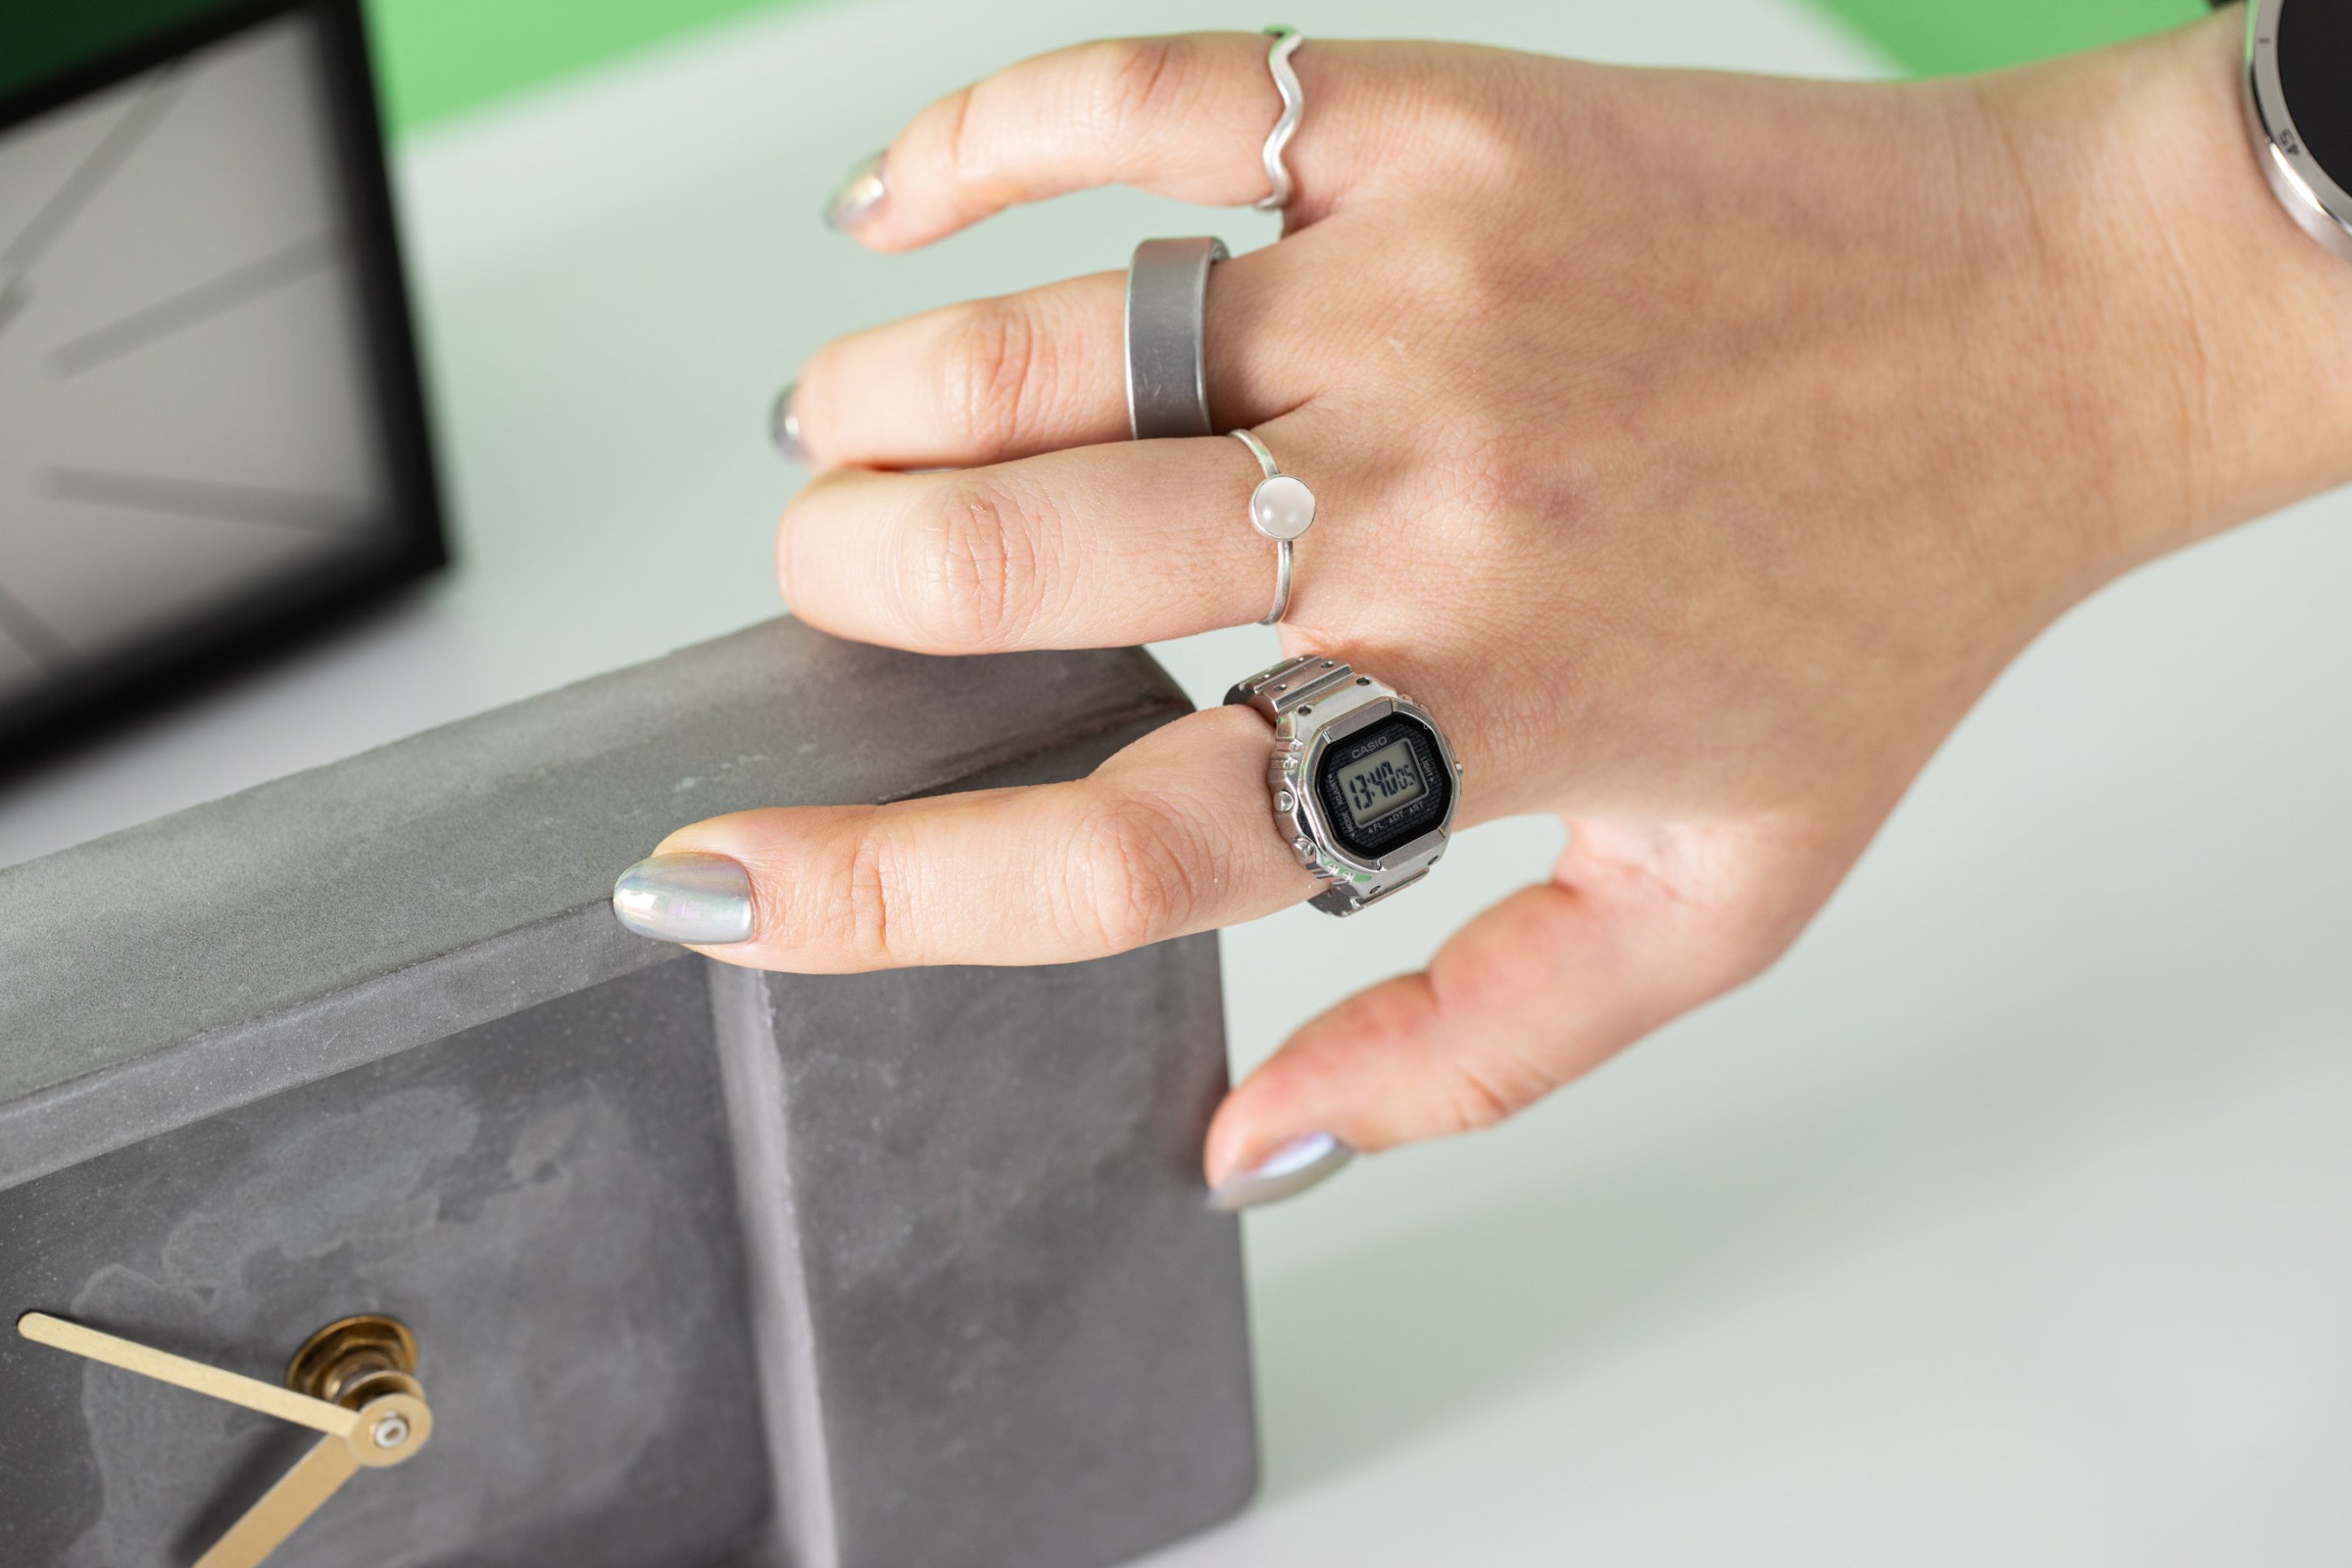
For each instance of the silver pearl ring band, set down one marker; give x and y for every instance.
(1282, 508)
(1294, 104)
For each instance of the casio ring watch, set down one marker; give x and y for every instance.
(2299, 112)
(1364, 783)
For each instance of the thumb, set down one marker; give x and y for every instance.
(1636, 927)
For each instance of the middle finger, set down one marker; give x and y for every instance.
(991, 380)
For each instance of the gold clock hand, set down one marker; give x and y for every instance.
(281, 1509)
(148, 1363)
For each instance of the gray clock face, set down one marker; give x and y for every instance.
(187, 409)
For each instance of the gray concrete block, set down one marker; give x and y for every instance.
(707, 1266)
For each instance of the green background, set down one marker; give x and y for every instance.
(440, 57)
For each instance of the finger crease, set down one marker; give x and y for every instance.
(1136, 97)
(958, 125)
(868, 911)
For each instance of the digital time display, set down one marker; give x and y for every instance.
(1373, 786)
(1383, 786)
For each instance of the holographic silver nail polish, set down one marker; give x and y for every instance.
(859, 195)
(702, 900)
(784, 426)
(1297, 1166)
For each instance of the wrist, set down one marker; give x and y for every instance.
(2210, 329)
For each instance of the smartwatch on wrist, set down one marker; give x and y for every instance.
(1364, 783)
(2299, 107)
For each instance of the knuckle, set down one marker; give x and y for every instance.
(1476, 129)
(1134, 877)
(955, 143)
(993, 358)
(839, 904)
(1494, 480)
(1132, 82)
(863, 906)
(976, 579)
(1476, 1094)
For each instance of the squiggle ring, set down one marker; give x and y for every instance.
(1294, 104)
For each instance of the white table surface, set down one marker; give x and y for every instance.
(2009, 1220)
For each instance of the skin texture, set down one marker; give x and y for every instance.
(1697, 447)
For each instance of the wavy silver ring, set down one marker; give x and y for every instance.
(1282, 508)
(1294, 104)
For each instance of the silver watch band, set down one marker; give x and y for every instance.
(1295, 683)
(1299, 686)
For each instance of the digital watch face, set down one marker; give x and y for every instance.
(1384, 786)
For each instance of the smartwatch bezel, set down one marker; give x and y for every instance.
(2312, 196)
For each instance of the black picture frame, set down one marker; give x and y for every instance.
(322, 594)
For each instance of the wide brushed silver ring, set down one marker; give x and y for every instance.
(1167, 303)
(1282, 508)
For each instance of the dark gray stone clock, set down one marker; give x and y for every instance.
(340, 1114)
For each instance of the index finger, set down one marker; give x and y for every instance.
(1168, 837)
(1186, 117)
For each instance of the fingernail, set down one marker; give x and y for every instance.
(857, 196)
(702, 899)
(784, 426)
(1290, 1170)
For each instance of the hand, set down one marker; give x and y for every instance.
(1697, 447)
